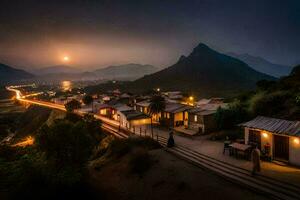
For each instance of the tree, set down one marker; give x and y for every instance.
(227, 118)
(65, 143)
(157, 104)
(87, 99)
(72, 105)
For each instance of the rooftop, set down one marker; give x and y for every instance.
(134, 115)
(279, 126)
(176, 107)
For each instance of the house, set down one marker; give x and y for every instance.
(142, 106)
(104, 110)
(279, 138)
(202, 121)
(134, 120)
(175, 114)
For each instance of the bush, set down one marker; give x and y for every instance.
(281, 104)
(227, 118)
(65, 143)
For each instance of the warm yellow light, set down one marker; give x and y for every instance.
(265, 135)
(158, 89)
(296, 141)
(66, 58)
(25, 142)
(191, 98)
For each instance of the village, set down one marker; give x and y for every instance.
(191, 119)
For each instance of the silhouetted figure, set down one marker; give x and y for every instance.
(255, 156)
(171, 141)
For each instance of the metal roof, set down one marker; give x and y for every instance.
(145, 103)
(134, 115)
(176, 107)
(279, 126)
(199, 111)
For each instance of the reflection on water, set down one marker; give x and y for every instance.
(66, 85)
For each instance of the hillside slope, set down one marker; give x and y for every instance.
(204, 72)
(125, 72)
(262, 65)
(8, 74)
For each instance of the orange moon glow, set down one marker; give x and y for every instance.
(66, 58)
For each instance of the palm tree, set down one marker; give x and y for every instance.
(157, 105)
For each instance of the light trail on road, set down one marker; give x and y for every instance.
(108, 124)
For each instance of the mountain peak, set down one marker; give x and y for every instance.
(201, 46)
(200, 49)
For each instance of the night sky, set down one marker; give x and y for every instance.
(95, 33)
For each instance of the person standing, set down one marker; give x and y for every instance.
(171, 141)
(255, 156)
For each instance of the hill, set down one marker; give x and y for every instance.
(125, 72)
(56, 69)
(8, 74)
(205, 72)
(262, 65)
(120, 72)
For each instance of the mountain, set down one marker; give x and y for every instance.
(125, 72)
(204, 72)
(57, 69)
(262, 65)
(8, 74)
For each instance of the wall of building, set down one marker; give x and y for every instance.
(246, 136)
(294, 151)
(267, 138)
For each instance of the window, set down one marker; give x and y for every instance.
(141, 109)
(195, 118)
(103, 111)
(168, 115)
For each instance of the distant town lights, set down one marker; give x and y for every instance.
(158, 89)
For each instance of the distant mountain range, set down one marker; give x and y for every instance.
(262, 65)
(8, 74)
(57, 73)
(126, 72)
(204, 72)
(56, 69)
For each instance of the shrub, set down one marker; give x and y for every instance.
(65, 143)
(227, 118)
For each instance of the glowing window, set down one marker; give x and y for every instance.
(195, 118)
(103, 111)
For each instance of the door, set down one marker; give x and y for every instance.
(281, 148)
(255, 138)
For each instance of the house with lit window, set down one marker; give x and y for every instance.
(104, 110)
(202, 121)
(175, 115)
(142, 106)
(278, 138)
(134, 121)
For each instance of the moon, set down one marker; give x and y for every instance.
(66, 58)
